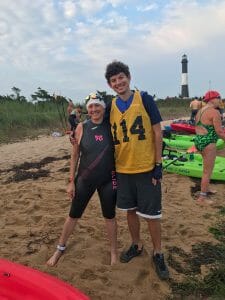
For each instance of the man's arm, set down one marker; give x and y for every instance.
(157, 171)
(158, 142)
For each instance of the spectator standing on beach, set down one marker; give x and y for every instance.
(208, 130)
(70, 107)
(96, 171)
(195, 105)
(74, 115)
(135, 124)
(221, 108)
(71, 115)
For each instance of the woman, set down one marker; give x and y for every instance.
(96, 171)
(208, 130)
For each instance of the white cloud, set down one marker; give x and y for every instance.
(70, 42)
(90, 7)
(69, 9)
(148, 7)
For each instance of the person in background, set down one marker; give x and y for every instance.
(208, 130)
(70, 107)
(96, 171)
(136, 130)
(75, 118)
(221, 109)
(195, 105)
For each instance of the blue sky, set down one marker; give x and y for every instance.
(64, 46)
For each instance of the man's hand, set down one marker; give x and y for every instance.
(157, 173)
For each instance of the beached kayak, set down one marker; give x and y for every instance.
(182, 126)
(184, 142)
(191, 164)
(18, 282)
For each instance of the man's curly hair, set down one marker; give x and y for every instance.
(115, 68)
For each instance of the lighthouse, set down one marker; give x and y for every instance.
(184, 77)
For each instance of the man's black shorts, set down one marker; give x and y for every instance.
(136, 192)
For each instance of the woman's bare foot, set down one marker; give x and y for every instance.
(211, 192)
(203, 199)
(54, 258)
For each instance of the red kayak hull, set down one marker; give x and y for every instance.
(18, 282)
(184, 127)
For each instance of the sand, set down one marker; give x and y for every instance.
(34, 205)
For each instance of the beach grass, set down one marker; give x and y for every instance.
(24, 119)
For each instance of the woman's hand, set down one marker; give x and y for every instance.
(72, 138)
(71, 190)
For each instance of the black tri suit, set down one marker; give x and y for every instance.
(96, 170)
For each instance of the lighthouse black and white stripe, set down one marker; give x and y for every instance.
(184, 77)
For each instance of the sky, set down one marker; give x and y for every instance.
(63, 46)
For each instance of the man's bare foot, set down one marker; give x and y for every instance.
(54, 258)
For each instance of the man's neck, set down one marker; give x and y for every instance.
(126, 95)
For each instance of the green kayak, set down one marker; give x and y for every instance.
(191, 164)
(184, 142)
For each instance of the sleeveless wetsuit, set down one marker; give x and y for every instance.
(203, 140)
(96, 170)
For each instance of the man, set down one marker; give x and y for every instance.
(195, 105)
(135, 124)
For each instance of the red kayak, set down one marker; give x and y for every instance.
(18, 282)
(183, 126)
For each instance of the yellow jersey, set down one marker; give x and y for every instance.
(133, 137)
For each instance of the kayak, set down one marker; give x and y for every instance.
(190, 164)
(184, 142)
(18, 282)
(183, 126)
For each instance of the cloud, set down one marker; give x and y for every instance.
(70, 42)
(90, 7)
(69, 8)
(148, 7)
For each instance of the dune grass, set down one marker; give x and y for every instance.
(19, 120)
(23, 119)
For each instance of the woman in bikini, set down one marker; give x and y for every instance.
(96, 172)
(208, 130)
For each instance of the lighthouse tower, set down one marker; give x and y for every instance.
(184, 77)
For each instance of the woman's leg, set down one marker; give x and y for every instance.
(111, 228)
(208, 156)
(68, 228)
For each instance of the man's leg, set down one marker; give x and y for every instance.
(136, 247)
(154, 227)
(134, 227)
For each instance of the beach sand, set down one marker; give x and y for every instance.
(34, 204)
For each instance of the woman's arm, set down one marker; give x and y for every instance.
(75, 153)
(217, 123)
